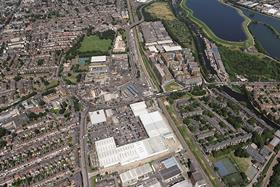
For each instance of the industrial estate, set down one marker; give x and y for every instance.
(139, 93)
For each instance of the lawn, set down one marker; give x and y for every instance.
(52, 83)
(72, 78)
(93, 43)
(172, 86)
(49, 84)
(234, 179)
(93, 181)
(242, 163)
(160, 10)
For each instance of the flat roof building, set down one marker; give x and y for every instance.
(97, 117)
(109, 154)
(131, 177)
(98, 59)
(160, 139)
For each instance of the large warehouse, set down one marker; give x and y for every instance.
(161, 139)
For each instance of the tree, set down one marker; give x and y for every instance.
(17, 77)
(40, 62)
(257, 139)
(239, 152)
(267, 135)
(3, 132)
(251, 121)
(3, 143)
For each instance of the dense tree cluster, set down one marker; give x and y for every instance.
(275, 178)
(239, 152)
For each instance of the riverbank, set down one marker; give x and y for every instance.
(249, 42)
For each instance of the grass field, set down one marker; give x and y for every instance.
(94, 44)
(233, 180)
(242, 163)
(160, 10)
(172, 86)
(93, 181)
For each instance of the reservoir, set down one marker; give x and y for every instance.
(253, 15)
(268, 39)
(223, 20)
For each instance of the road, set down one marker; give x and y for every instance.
(83, 147)
(133, 33)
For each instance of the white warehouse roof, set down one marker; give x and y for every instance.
(155, 124)
(157, 129)
(183, 183)
(109, 154)
(97, 117)
(98, 59)
(131, 176)
(139, 108)
(168, 48)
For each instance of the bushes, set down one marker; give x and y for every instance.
(175, 95)
(251, 66)
(275, 178)
(198, 91)
(239, 152)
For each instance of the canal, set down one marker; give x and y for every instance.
(244, 99)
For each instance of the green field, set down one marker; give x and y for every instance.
(242, 163)
(173, 86)
(94, 44)
(233, 180)
(93, 181)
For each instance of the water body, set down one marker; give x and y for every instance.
(268, 39)
(223, 20)
(253, 15)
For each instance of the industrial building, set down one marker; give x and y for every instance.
(160, 139)
(131, 177)
(97, 117)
